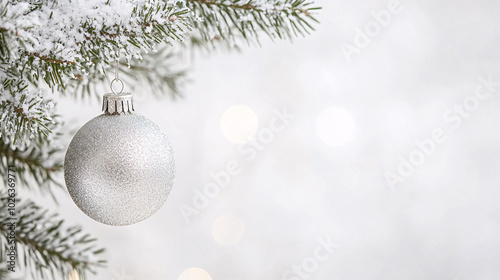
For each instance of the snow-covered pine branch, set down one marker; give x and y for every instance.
(46, 246)
(37, 166)
(63, 41)
(229, 22)
(24, 114)
(68, 36)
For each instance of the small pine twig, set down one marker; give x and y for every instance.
(32, 164)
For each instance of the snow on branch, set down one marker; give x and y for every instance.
(228, 20)
(25, 115)
(55, 38)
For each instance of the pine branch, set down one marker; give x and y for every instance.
(41, 163)
(24, 114)
(46, 247)
(226, 21)
(88, 39)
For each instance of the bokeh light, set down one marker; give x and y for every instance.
(335, 126)
(239, 124)
(228, 230)
(194, 273)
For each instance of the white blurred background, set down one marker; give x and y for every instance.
(310, 198)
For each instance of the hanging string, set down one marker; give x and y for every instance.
(116, 80)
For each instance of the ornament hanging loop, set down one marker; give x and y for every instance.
(113, 89)
(116, 80)
(117, 102)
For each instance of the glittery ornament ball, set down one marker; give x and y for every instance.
(119, 169)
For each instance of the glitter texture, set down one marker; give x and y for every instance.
(119, 169)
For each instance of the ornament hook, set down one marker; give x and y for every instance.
(116, 79)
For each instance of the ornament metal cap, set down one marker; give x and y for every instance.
(117, 104)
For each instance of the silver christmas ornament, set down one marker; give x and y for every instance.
(119, 167)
